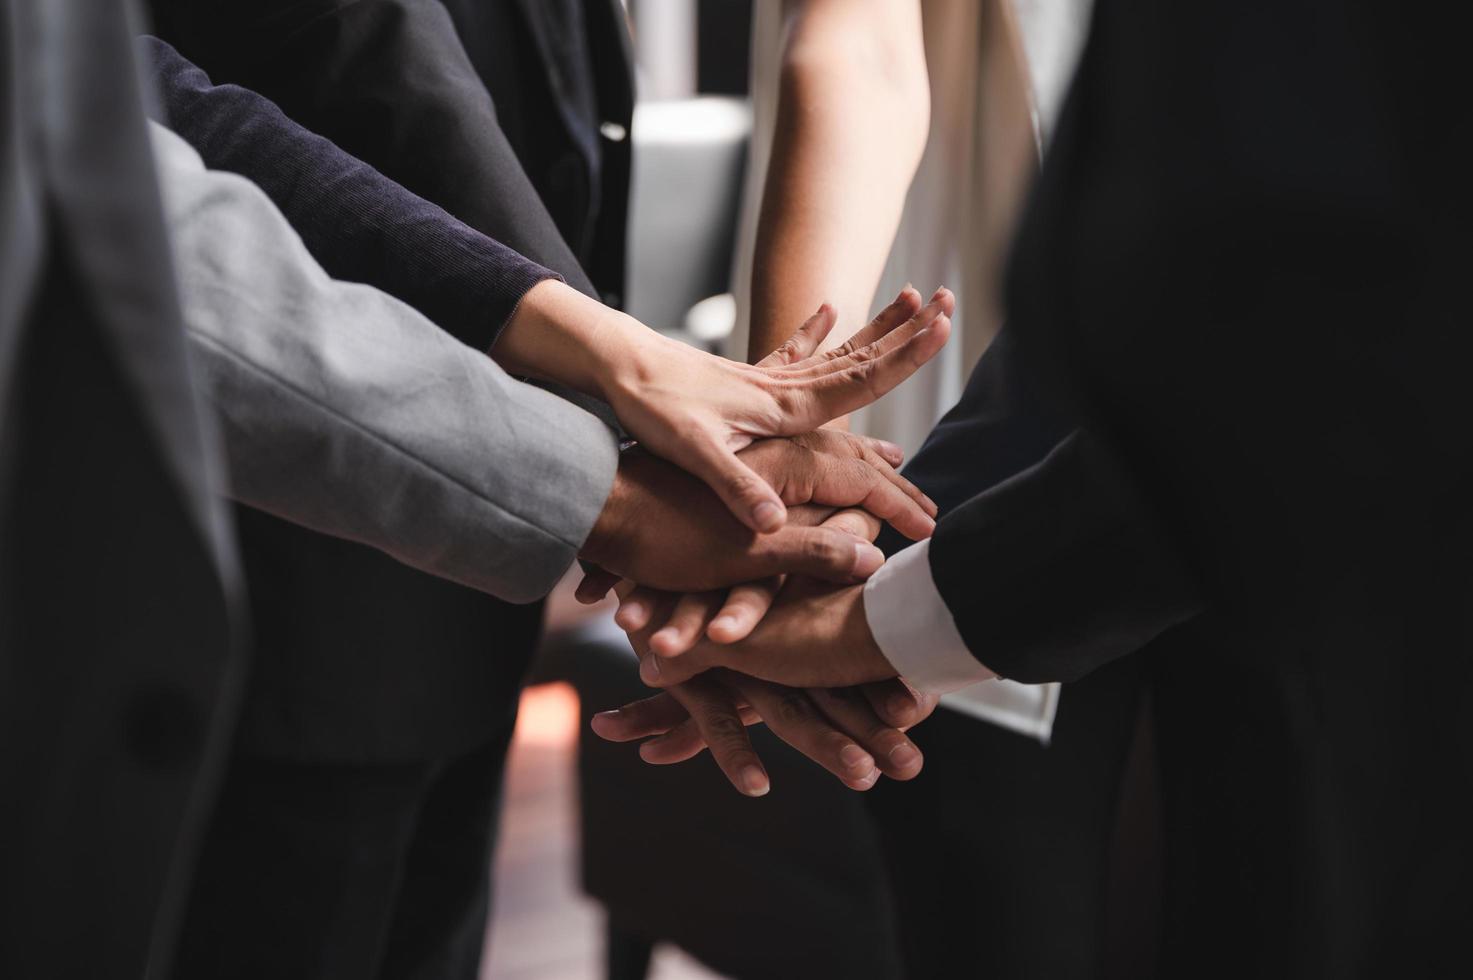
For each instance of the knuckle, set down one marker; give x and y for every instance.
(791, 708)
(822, 549)
(726, 729)
(864, 371)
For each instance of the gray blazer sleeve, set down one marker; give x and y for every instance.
(347, 412)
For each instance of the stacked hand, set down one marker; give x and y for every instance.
(784, 673)
(723, 522)
(697, 410)
(855, 733)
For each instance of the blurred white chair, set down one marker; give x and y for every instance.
(689, 158)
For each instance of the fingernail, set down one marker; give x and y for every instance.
(754, 781)
(892, 449)
(649, 669)
(721, 623)
(904, 756)
(664, 637)
(768, 515)
(899, 706)
(648, 751)
(867, 559)
(629, 614)
(854, 757)
(867, 781)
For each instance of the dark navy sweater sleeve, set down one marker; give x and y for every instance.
(360, 225)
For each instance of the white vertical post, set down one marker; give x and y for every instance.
(665, 48)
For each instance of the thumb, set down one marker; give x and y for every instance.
(751, 499)
(825, 553)
(595, 585)
(657, 671)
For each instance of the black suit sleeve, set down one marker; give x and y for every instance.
(390, 83)
(1061, 568)
(1049, 559)
(357, 223)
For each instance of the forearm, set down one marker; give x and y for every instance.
(852, 121)
(345, 411)
(390, 83)
(357, 223)
(559, 335)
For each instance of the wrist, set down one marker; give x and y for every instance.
(558, 334)
(606, 527)
(603, 546)
(861, 637)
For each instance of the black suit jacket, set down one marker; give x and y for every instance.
(560, 74)
(361, 226)
(1235, 299)
(359, 658)
(120, 647)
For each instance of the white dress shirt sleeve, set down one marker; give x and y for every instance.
(913, 627)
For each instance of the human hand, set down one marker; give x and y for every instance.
(674, 623)
(698, 410)
(815, 635)
(662, 528)
(855, 733)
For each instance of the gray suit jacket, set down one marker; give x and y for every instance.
(358, 658)
(348, 412)
(119, 608)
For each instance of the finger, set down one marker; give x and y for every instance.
(887, 469)
(684, 741)
(853, 482)
(817, 552)
(883, 467)
(925, 503)
(871, 372)
(882, 456)
(640, 719)
(894, 753)
(856, 521)
(886, 450)
(792, 717)
(806, 341)
(681, 631)
(637, 609)
(895, 316)
(751, 499)
(671, 672)
(714, 710)
(882, 336)
(896, 702)
(900, 309)
(595, 585)
(745, 606)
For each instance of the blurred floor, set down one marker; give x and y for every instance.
(542, 926)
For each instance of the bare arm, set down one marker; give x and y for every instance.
(852, 121)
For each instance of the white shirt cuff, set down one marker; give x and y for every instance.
(914, 629)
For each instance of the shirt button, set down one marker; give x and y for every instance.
(613, 132)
